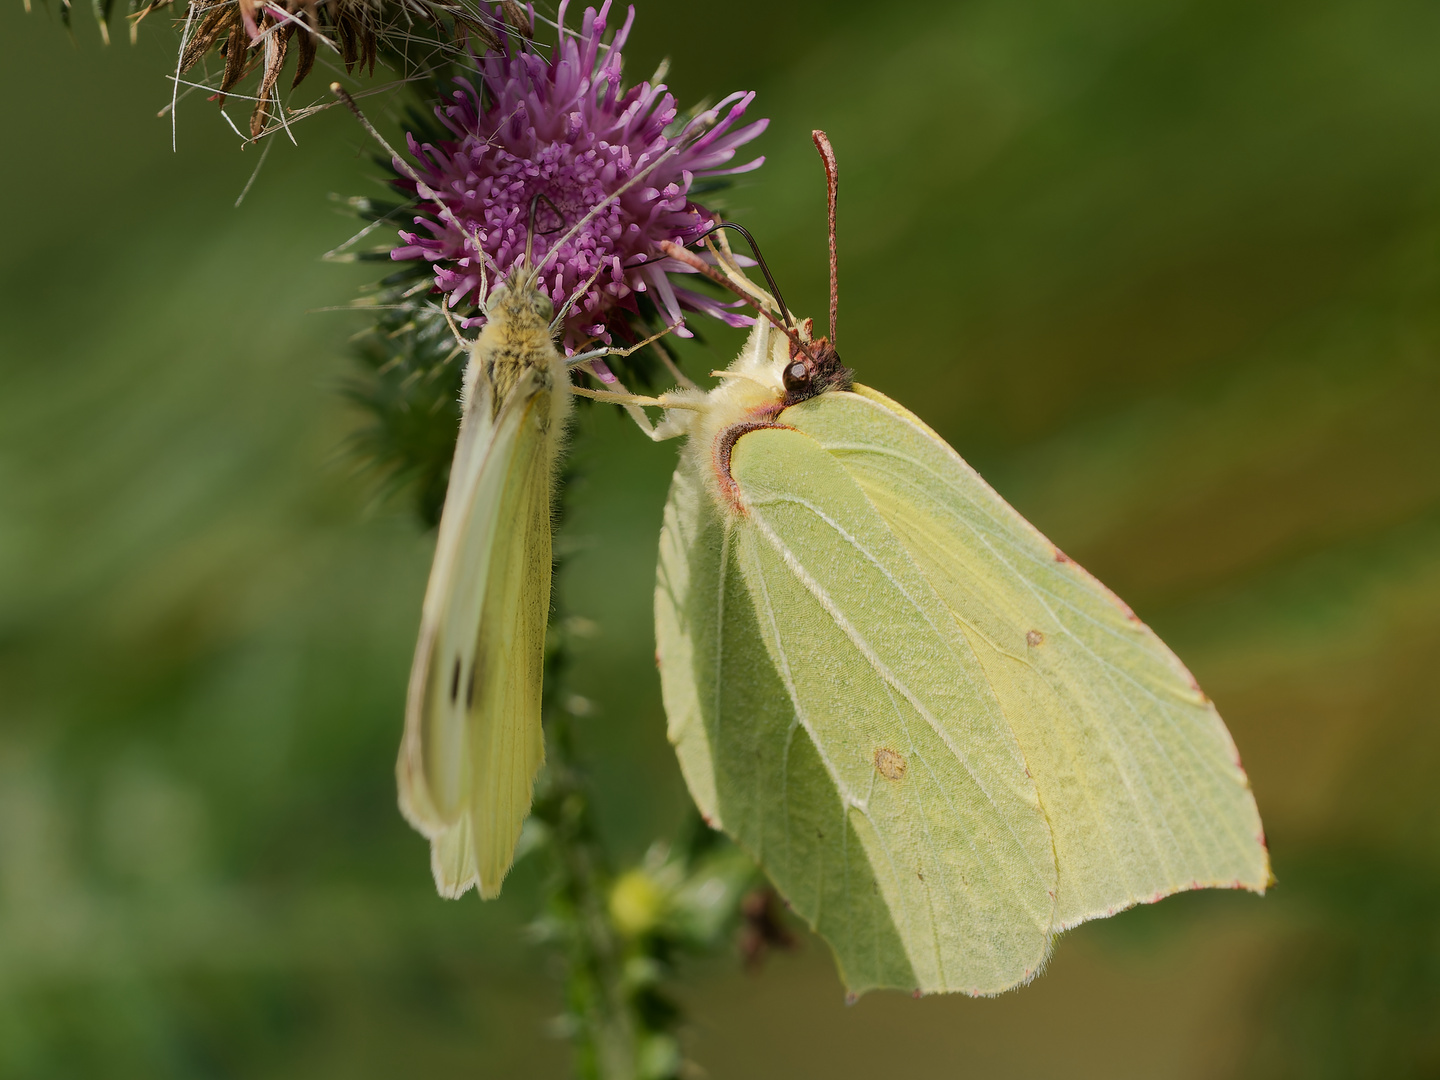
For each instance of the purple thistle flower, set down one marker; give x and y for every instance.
(565, 128)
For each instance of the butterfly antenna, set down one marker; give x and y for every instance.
(530, 228)
(531, 232)
(700, 266)
(832, 185)
(603, 203)
(764, 269)
(540, 197)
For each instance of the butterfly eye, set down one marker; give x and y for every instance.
(544, 305)
(796, 377)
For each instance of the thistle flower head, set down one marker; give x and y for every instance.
(562, 135)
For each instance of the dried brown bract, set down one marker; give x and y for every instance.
(258, 34)
(517, 17)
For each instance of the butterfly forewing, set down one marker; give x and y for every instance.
(1136, 772)
(473, 739)
(507, 741)
(452, 859)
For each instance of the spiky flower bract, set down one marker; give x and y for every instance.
(561, 134)
(417, 40)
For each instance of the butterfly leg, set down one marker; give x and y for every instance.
(633, 403)
(622, 397)
(596, 354)
(461, 342)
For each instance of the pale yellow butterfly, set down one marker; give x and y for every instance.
(943, 739)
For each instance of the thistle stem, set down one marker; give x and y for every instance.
(598, 1014)
(601, 1026)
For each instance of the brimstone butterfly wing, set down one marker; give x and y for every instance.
(473, 740)
(943, 739)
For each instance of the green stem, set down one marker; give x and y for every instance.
(599, 1018)
(622, 1023)
(602, 1029)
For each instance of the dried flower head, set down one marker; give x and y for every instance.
(415, 37)
(561, 134)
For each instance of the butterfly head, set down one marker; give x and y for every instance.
(519, 301)
(812, 368)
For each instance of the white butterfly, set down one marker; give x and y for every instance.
(473, 741)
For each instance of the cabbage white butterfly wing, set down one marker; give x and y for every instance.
(473, 741)
(943, 739)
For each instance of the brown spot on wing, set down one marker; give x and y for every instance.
(1034, 638)
(889, 763)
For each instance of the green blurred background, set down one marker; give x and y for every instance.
(1167, 272)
